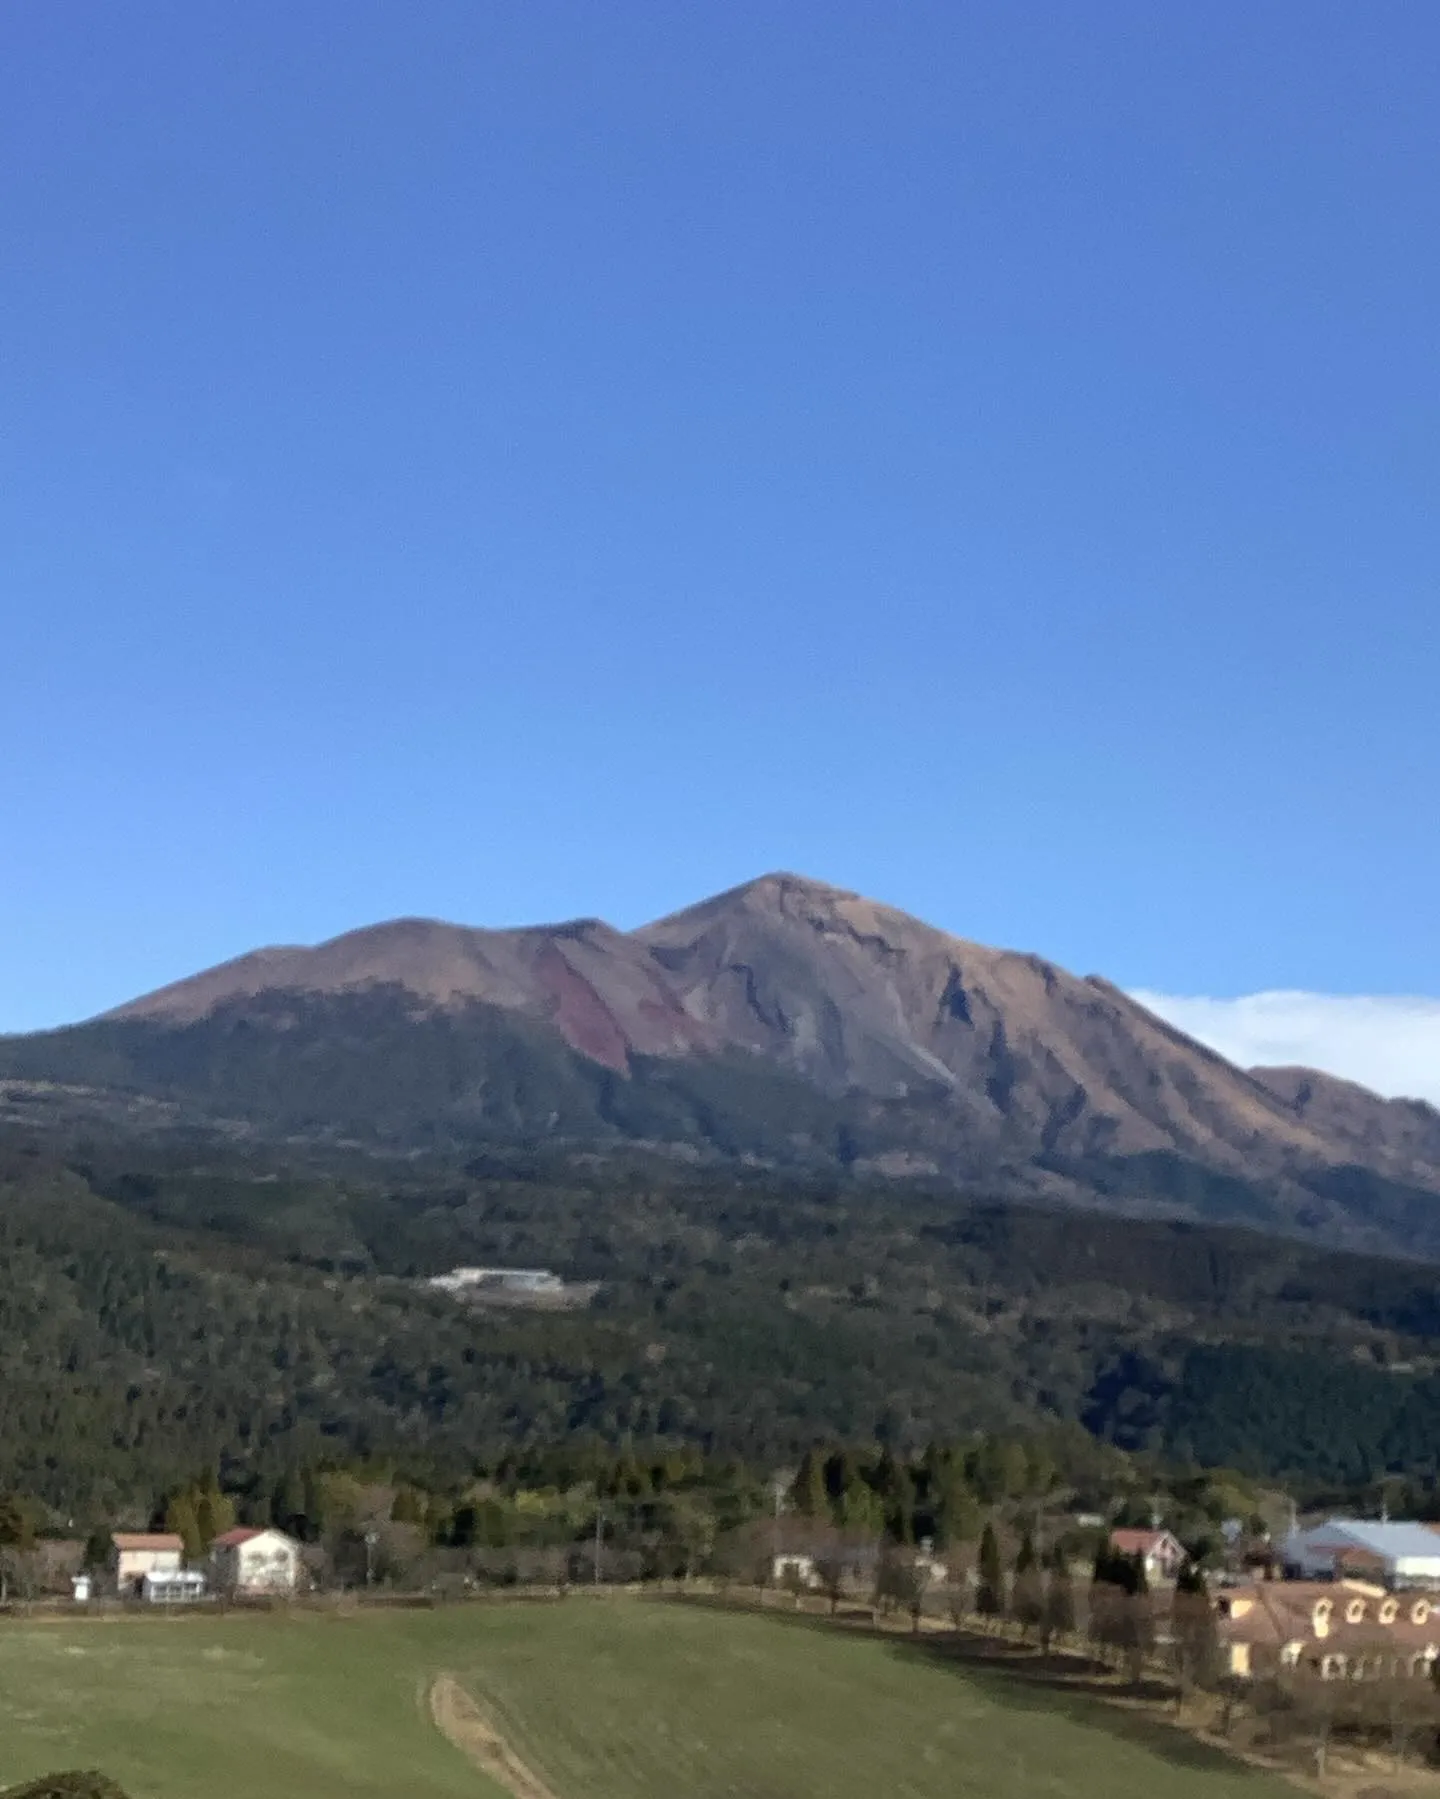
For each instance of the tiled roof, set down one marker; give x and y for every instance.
(147, 1540)
(232, 1539)
(1284, 1612)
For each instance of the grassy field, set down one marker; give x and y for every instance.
(605, 1699)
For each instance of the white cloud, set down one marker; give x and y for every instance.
(1388, 1043)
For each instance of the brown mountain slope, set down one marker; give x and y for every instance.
(1401, 1135)
(967, 1057)
(599, 988)
(1024, 1057)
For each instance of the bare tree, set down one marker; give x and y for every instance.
(1391, 1699)
(1194, 1641)
(836, 1556)
(903, 1579)
(18, 1573)
(1304, 1707)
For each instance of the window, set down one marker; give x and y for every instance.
(1332, 1667)
(1420, 1611)
(1355, 1612)
(1389, 1610)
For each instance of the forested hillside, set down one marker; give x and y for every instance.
(169, 1309)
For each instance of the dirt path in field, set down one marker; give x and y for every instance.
(458, 1717)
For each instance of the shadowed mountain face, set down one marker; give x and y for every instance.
(782, 1018)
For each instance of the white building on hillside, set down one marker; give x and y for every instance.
(255, 1561)
(1394, 1554)
(508, 1280)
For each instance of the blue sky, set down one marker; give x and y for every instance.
(509, 461)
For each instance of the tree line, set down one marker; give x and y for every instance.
(166, 1308)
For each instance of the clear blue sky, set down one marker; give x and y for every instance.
(504, 461)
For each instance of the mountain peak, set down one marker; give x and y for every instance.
(778, 886)
(789, 899)
(973, 1060)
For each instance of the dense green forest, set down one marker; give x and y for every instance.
(168, 1307)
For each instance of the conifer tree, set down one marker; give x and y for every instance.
(214, 1511)
(407, 1507)
(837, 1478)
(959, 1516)
(181, 1520)
(861, 1511)
(287, 1504)
(900, 1508)
(990, 1594)
(808, 1493)
(17, 1530)
(1028, 1592)
(1059, 1614)
(316, 1511)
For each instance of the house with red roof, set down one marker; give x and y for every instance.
(1163, 1554)
(248, 1561)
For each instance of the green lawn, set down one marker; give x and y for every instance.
(607, 1699)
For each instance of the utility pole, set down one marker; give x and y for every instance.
(599, 1523)
(372, 1537)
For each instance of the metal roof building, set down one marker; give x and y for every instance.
(1397, 1554)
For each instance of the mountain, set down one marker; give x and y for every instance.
(1023, 1058)
(602, 992)
(1400, 1134)
(785, 1020)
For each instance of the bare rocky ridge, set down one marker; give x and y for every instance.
(859, 997)
(988, 1057)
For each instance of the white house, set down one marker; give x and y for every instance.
(1394, 1554)
(138, 1553)
(255, 1561)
